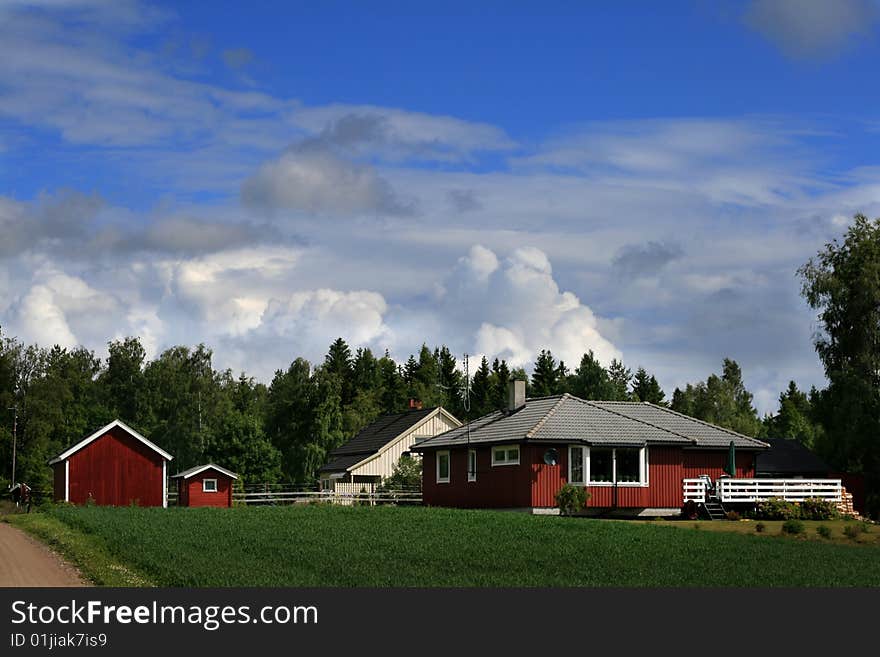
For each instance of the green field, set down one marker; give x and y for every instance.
(411, 546)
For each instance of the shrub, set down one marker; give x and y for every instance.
(777, 509)
(760, 527)
(792, 526)
(732, 515)
(814, 508)
(571, 499)
(865, 527)
(823, 531)
(851, 532)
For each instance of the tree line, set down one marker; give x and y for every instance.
(285, 431)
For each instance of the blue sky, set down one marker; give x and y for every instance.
(501, 177)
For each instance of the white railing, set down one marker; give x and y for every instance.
(694, 490)
(790, 490)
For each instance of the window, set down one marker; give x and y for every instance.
(442, 467)
(505, 455)
(628, 466)
(601, 465)
(325, 484)
(209, 485)
(576, 465)
(472, 465)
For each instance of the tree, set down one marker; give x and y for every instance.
(406, 475)
(590, 380)
(619, 377)
(646, 389)
(721, 400)
(545, 376)
(842, 282)
(793, 420)
(499, 381)
(338, 363)
(123, 379)
(481, 392)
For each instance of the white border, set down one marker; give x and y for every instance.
(448, 469)
(100, 432)
(472, 474)
(67, 481)
(164, 485)
(505, 448)
(216, 487)
(186, 474)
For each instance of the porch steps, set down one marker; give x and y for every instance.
(714, 510)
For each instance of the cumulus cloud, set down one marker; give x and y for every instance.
(812, 28)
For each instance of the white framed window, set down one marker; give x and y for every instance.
(209, 485)
(505, 455)
(443, 467)
(577, 465)
(472, 465)
(325, 484)
(608, 466)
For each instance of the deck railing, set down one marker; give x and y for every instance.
(730, 490)
(790, 490)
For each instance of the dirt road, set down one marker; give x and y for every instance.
(24, 561)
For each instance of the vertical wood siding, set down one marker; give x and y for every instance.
(116, 470)
(195, 496)
(534, 483)
(382, 464)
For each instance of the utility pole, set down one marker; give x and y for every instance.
(14, 410)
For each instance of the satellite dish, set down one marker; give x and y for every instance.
(551, 457)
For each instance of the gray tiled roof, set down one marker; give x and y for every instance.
(565, 418)
(343, 463)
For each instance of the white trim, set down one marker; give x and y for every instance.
(448, 466)
(164, 485)
(200, 469)
(205, 488)
(505, 461)
(472, 474)
(581, 449)
(103, 430)
(67, 481)
(643, 468)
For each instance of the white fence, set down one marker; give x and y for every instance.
(757, 490)
(694, 490)
(280, 494)
(790, 490)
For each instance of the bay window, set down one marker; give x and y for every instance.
(603, 466)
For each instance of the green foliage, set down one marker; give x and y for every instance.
(406, 475)
(571, 499)
(793, 527)
(851, 532)
(760, 527)
(732, 515)
(720, 400)
(795, 418)
(815, 508)
(646, 389)
(823, 531)
(777, 509)
(545, 375)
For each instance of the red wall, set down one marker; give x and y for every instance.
(191, 494)
(534, 483)
(115, 469)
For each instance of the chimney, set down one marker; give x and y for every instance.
(415, 404)
(516, 395)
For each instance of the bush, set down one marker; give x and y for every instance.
(792, 527)
(823, 531)
(851, 532)
(814, 508)
(777, 509)
(732, 515)
(571, 499)
(760, 527)
(865, 527)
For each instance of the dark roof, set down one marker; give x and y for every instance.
(373, 438)
(565, 418)
(789, 457)
(196, 469)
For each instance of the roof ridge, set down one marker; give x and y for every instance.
(531, 432)
(708, 424)
(650, 424)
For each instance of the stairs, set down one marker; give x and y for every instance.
(714, 509)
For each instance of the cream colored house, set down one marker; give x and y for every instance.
(371, 455)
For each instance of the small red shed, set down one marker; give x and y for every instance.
(114, 466)
(205, 485)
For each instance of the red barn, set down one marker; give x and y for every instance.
(205, 485)
(631, 457)
(115, 466)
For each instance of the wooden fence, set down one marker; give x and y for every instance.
(283, 494)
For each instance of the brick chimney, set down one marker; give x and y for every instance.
(516, 395)
(415, 404)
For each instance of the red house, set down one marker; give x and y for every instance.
(632, 457)
(115, 466)
(205, 485)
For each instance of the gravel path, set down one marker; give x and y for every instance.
(24, 561)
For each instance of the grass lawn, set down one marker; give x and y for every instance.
(412, 546)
